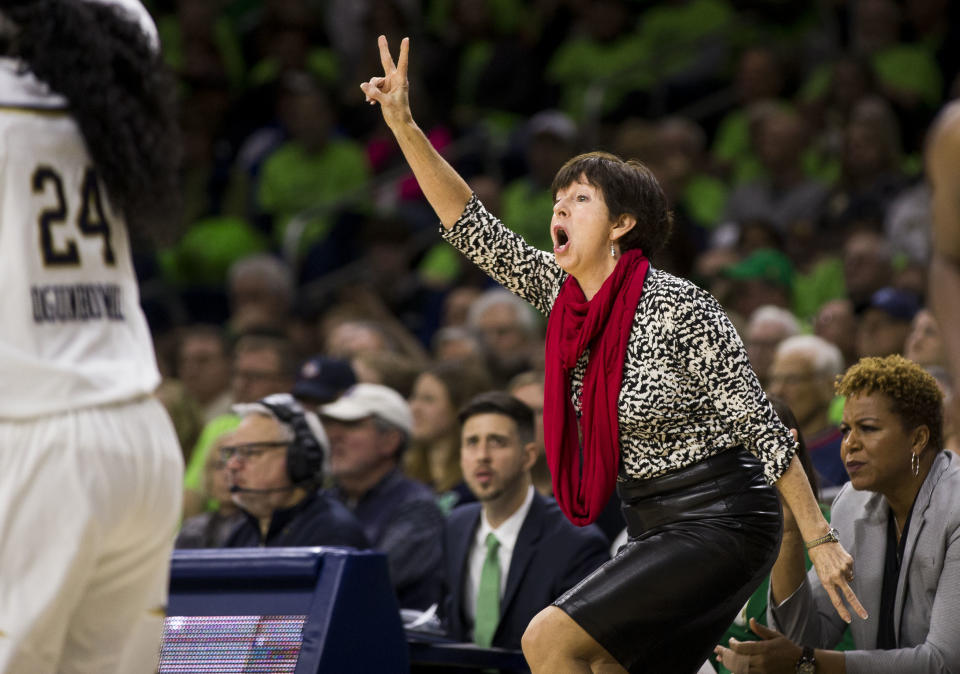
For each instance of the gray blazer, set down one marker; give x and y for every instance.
(927, 608)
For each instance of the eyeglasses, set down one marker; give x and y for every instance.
(250, 450)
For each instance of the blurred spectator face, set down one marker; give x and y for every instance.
(256, 458)
(257, 373)
(864, 155)
(532, 396)
(849, 84)
(308, 117)
(866, 265)
(203, 367)
(676, 156)
(546, 153)
(762, 340)
(794, 379)
(358, 448)
(780, 141)
(880, 334)
(457, 304)
(457, 344)
(349, 338)
(217, 479)
(758, 76)
(501, 332)
(750, 295)
(255, 300)
(837, 323)
(488, 190)
(876, 25)
(433, 413)
(924, 344)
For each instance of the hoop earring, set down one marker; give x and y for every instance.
(613, 253)
(915, 464)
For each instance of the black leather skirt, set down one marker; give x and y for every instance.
(701, 540)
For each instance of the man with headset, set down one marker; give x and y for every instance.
(274, 466)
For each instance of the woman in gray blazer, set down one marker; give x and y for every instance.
(899, 516)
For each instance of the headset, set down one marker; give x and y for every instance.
(305, 455)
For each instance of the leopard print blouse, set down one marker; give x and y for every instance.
(688, 390)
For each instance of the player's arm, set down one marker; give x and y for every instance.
(943, 171)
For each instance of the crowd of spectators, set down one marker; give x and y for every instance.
(788, 138)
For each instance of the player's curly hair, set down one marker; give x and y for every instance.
(913, 392)
(628, 187)
(121, 96)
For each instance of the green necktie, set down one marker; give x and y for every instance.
(488, 595)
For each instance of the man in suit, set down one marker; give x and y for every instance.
(513, 552)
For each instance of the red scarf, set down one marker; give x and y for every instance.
(582, 486)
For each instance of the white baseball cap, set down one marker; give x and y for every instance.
(371, 400)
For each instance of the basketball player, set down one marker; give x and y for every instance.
(943, 171)
(90, 469)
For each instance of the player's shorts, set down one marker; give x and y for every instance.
(89, 505)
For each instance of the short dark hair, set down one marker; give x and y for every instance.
(913, 393)
(628, 188)
(500, 402)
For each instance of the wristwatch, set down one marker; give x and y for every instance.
(832, 536)
(807, 664)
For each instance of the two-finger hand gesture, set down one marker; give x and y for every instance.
(390, 91)
(835, 568)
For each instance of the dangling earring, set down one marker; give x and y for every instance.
(613, 253)
(915, 464)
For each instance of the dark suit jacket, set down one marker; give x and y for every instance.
(319, 519)
(551, 556)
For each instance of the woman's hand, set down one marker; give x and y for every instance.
(775, 654)
(835, 568)
(390, 91)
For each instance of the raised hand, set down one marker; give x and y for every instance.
(390, 91)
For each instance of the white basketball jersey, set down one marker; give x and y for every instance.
(72, 333)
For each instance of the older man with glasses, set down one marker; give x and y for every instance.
(274, 464)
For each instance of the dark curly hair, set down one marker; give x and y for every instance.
(628, 188)
(913, 392)
(121, 96)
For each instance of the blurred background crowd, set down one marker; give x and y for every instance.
(788, 137)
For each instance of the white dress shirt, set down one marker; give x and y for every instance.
(507, 534)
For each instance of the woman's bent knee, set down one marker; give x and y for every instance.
(537, 636)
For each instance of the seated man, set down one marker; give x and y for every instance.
(510, 555)
(369, 427)
(274, 467)
(802, 373)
